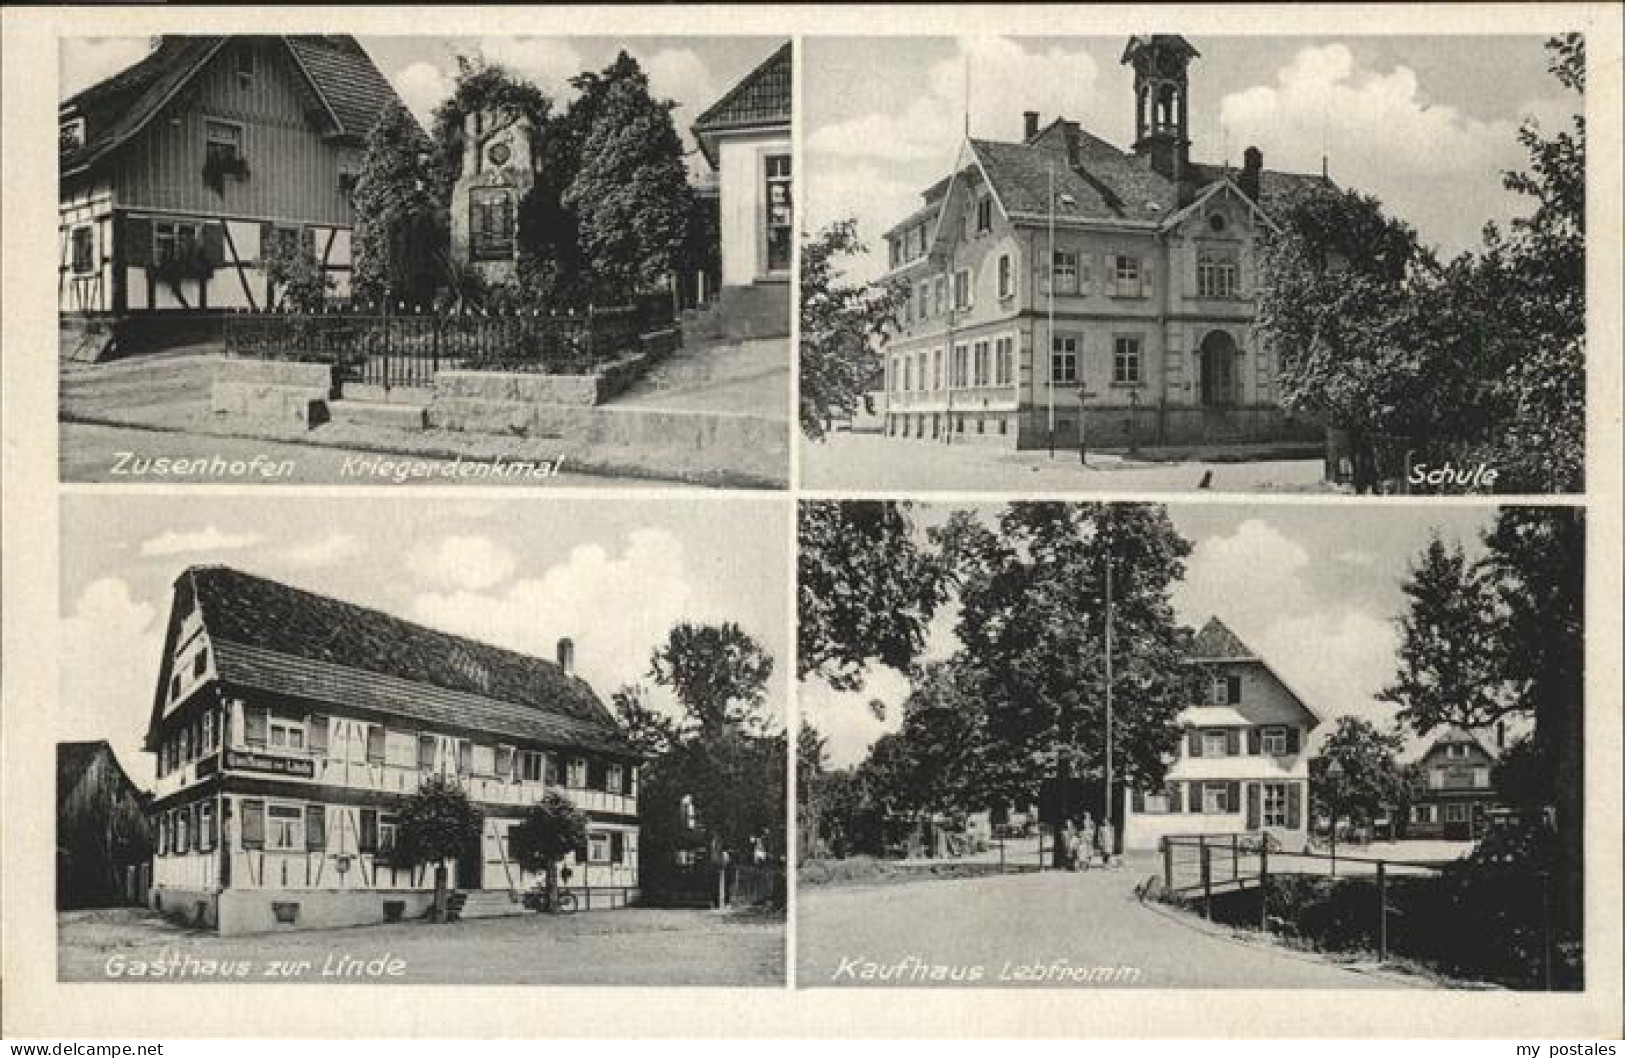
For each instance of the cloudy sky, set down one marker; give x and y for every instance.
(1425, 123)
(614, 575)
(1314, 590)
(693, 71)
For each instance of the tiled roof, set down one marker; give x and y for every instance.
(285, 640)
(762, 98)
(339, 70)
(1107, 183)
(1215, 642)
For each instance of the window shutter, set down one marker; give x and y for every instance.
(1196, 742)
(1147, 278)
(426, 748)
(595, 775)
(617, 847)
(1253, 796)
(317, 739)
(1108, 273)
(214, 244)
(267, 239)
(315, 827)
(465, 757)
(253, 824)
(505, 762)
(137, 246)
(1175, 802)
(375, 744)
(1291, 740)
(214, 826)
(1232, 797)
(627, 780)
(1232, 742)
(1255, 741)
(1086, 269)
(1139, 801)
(1232, 690)
(367, 839)
(255, 724)
(1294, 805)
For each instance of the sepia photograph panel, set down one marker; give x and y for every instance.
(1150, 263)
(543, 261)
(425, 742)
(1055, 745)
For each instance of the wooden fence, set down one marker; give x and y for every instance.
(406, 349)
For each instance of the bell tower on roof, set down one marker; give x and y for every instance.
(1162, 100)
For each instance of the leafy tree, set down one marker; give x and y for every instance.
(296, 273)
(1033, 627)
(718, 673)
(437, 823)
(1450, 663)
(630, 192)
(650, 731)
(552, 829)
(399, 223)
(866, 590)
(1369, 781)
(842, 326)
(480, 87)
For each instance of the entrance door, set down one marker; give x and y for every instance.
(777, 222)
(1218, 370)
(471, 866)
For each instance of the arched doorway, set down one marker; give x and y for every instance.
(1218, 351)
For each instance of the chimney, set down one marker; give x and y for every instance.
(567, 656)
(1252, 165)
(1029, 125)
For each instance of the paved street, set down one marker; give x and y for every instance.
(1012, 925)
(126, 455)
(631, 947)
(868, 461)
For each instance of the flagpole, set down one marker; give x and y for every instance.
(1050, 300)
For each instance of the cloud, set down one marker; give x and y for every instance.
(87, 60)
(110, 648)
(678, 73)
(616, 605)
(470, 563)
(845, 720)
(332, 549)
(423, 86)
(210, 539)
(1430, 163)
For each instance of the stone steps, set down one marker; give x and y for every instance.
(376, 413)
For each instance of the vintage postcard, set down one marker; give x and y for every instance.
(757, 521)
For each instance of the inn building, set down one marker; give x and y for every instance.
(1154, 275)
(287, 728)
(1242, 766)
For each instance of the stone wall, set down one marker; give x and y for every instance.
(273, 390)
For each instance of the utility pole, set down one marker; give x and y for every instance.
(1049, 334)
(1110, 815)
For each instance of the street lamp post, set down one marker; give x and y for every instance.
(1110, 815)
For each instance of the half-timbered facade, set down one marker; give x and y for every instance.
(1062, 285)
(179, 174)
(1453, 798)
(288, 727)
(1243, 764)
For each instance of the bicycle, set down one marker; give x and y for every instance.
(536, 900)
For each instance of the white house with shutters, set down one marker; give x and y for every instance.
(288, 727)
(1243, 764)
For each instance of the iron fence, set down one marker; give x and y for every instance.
(406, 349)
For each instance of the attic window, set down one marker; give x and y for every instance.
(1216, 222)
(245, 67)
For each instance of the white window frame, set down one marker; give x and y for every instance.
(1223, 737)
(598, 846)
(964, 295)
(293, 818)
(1128, 271)
(1007, 276)
(1273, 802)
(1218, 274)
(288, 729)
(984, 214)
(981, 362)
(1273, 741)
(1132, 358)
(1063, 360)
(171, 232)
(961, 365)
(529, 758)
(614, 777)
(1004, 360)
(575, 773)
(1066, 272)
(1156, 804)
(1223, 791)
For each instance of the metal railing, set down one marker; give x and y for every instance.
(407, 348)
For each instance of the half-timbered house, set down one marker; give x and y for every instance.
(179, 174)
(289, 726)
(103, 838)
(1243, 764)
